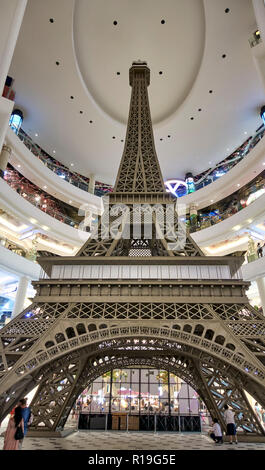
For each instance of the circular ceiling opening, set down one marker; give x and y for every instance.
(99, 49)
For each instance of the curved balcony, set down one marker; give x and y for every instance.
(80, 181)
(39, 198)
(18, 264)
(231, 205)
(222, 176)
(17, 205)
(33, 168)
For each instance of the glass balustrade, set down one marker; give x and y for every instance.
(201, 180)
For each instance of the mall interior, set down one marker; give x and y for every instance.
(132, 103)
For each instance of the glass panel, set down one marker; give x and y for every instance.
(135, 375)
(125, 375)
(154, 394)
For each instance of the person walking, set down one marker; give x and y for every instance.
(229, 417)
(217, 434)
(15, 421)
(26, 415)
(259, 250)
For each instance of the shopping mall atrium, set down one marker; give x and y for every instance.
(132, 221)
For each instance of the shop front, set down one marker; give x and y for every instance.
(140, 399)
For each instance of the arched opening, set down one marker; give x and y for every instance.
(139, 398)
(91, 327)
(209, 334)
(70, 332)
(49, 344)
(59, 338)
(198, 330)
(80, 328)
(219, 340)
(187, 328)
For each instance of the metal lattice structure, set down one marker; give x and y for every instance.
(199, 327)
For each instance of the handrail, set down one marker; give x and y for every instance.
(208, 177)
(35, 199)
(59, 168)
(202, 179)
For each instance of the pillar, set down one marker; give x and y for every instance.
(193, 217)
(4, 157)
(91, 187)
(21, 296)
(12, 13)
(261, 288)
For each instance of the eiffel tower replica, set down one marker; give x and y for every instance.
(128, 300)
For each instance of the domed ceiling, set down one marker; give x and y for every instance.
(71, 67)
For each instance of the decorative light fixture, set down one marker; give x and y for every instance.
(16, 120)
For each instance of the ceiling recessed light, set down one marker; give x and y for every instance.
(81, 112)
(122, 140)
(210, 163)
(245, 132)
(19, 166)
(160, 73)
(113, 137)
(57, 62)
(51, 20)
(236, 227)
(211, 200)
(115, 22)
(161, 138)
(224, 56)
(45, 187)
(210, 91)
(70, 202)
(192, 118)
(228, 150)
(118, 73)
(238, 185)
(169, 136)
(162, 21)
(199, 109)
(71, 97)
(227, 10)
(263, 163)
(54, 151)
(71, 164)
(36, 135)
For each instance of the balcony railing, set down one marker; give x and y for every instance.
(61, 170)
(200, 180)
(230, 205)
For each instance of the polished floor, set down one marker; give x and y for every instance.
(114, 440)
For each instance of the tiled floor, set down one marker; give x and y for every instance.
(89, 440)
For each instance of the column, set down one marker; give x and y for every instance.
(12, 13)
(11, 16)
(193, 217)
(91, 187)
(261, 288)
(4, 158)
(21, 296)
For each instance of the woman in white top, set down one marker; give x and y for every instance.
(229, 417)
